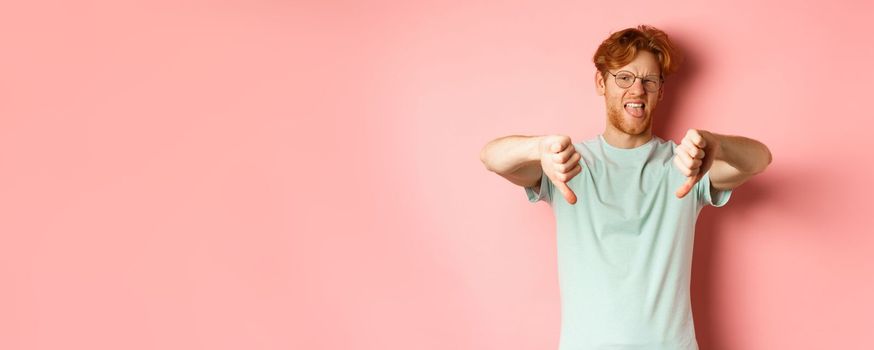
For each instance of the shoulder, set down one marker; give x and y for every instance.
(663, 149)
(590, 147)
(662, 143)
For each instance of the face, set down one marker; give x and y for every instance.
(622, 117)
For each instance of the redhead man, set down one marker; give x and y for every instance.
(626, 202)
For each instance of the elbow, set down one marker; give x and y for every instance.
(767, 159)
(484, 158)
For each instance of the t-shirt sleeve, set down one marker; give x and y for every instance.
(711, 196)
(545, 193)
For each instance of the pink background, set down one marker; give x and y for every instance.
(286, 175)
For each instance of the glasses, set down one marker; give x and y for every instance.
(624, 79)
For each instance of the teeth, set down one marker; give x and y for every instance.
(634, 105)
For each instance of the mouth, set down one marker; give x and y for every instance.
(635, 109)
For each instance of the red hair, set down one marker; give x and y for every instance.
(621, 48)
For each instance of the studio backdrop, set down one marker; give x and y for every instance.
(306, 174)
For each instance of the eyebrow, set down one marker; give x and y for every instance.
(645, 76)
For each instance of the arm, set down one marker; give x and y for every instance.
(516, 158)
(730, 160)
(524, 160)
(736, 160)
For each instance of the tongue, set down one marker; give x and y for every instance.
(637, 112)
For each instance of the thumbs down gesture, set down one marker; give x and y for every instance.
(694, 156)
(560, 162)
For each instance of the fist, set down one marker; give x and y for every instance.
(560, 162)
(694, 157)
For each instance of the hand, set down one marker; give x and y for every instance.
(560, 162)
(694, 157)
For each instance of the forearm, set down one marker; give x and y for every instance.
(744, 154)
(513, 156)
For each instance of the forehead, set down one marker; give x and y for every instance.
(645, 63)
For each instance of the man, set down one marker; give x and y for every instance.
(626, 202)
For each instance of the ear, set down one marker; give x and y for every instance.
(662, 90)
(599, 83)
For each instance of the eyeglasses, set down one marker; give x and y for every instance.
(624, 79)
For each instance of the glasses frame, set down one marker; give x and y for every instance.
(643, 80)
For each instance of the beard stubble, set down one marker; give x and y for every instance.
(617, 119)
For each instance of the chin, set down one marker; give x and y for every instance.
(634, 132)
(630, 125)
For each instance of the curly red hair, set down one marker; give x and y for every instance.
(621, 48)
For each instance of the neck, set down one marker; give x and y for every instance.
(619, 139)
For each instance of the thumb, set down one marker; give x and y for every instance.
(687, 186)
(555, 147)
(566, 191)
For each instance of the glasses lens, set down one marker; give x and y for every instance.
(624, 79)
(651, 84)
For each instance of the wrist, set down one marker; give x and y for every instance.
(718, 143)
(537, 149)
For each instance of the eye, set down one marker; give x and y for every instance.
(625, 77)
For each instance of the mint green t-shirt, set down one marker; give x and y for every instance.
(625, 248)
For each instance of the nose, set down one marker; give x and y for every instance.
(636, 87)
